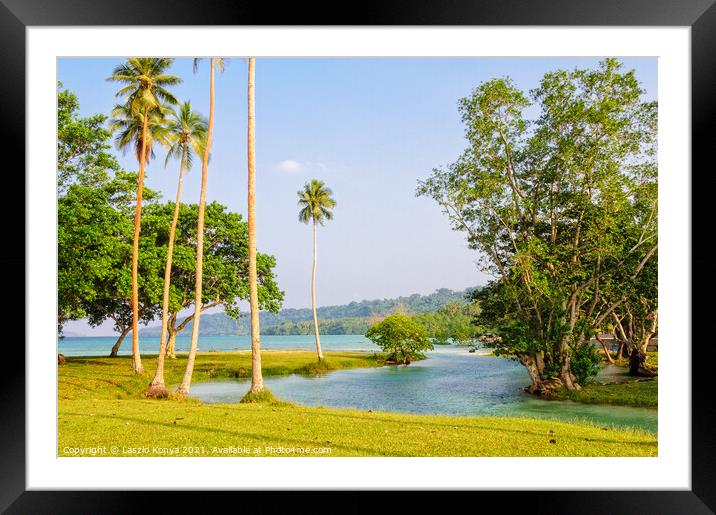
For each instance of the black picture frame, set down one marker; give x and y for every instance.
(700, 15)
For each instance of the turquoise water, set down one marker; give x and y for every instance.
(451, 382)
(102, 345)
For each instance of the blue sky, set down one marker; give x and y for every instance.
(370, 128)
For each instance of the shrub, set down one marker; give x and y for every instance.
(585, 363)
(401, 336)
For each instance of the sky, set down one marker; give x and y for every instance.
(369, 127)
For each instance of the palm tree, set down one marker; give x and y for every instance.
(257, 381)
(129, 130)
(144, 89)
(183, 389)
(316, 205)
(187, 134)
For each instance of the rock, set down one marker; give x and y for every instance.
(60, 359)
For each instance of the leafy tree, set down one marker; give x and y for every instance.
(144, 90)
(83, 161)
(317, 204)
(82, 145)
(225, 276)
(89, 243)
(561, 207)
(186, 133)
(401, 336)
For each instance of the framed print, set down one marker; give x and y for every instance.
(486, 186)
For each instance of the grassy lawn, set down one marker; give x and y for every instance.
(113, 378)
(101, 405)
(643, 394)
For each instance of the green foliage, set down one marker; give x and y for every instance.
(82, 145)
(562, 206)
(401, 336)
(95, 232)
(316, 203)
(187, 131)
(452, 323)
(352, 318)
(586, 363)
(129, 128)
(225, 277)
(264, 396)
(145, 81)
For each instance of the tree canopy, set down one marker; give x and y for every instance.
(401, 336)
(561, 207)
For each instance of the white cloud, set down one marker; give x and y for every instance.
(289, 166)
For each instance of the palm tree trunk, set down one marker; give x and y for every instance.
(183, 389)
(313, 293)
(156, 387)
(136, 359)
(257, 381)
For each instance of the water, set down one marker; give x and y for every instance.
(451, 382)
(102, 345)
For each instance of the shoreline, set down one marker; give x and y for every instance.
(100, 403)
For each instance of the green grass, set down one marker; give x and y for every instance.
(642, 394)
(113, 378)
(652, 361)
(102, 408)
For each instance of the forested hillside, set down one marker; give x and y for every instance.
(353, 318)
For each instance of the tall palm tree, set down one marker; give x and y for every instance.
(257, 381)
(183, 389)
(187, 134)
(145, 81)
(316, 203)
(129, 130)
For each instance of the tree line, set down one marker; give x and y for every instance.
(351, 318)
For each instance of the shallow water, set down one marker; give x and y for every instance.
(451, 382)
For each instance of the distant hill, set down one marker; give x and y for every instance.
(352, 318)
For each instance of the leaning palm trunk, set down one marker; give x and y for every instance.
(136, 359)
(183, 389)
(257, 382)
(313, 293)
(156, 387)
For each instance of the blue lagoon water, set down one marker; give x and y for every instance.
(102, 345)
(451, 381)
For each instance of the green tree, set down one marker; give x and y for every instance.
(546, 202)
(183, 389)
(401, 336)
(225, 276)
(82, 145)
(186, 131)
(83, 162)
(317, 204)
(145, 82)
